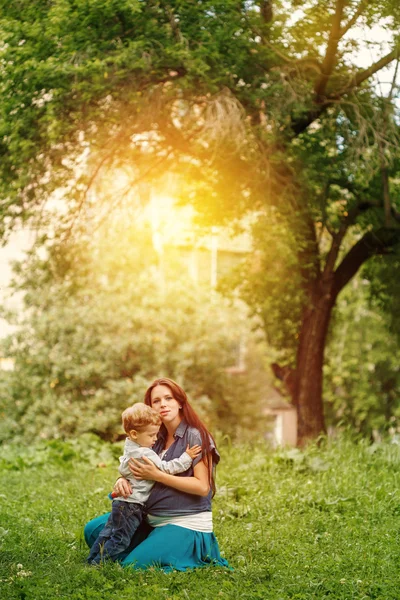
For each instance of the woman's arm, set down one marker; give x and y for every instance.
(197, 485)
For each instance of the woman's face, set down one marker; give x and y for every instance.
(165, 404)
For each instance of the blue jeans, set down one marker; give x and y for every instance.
(116, 536)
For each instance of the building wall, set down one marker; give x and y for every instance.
(14, 250)
(289, 428)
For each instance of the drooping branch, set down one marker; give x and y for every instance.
(384, 168)
(372, 243)
(102, 163)
(331, 50)
(274, 49)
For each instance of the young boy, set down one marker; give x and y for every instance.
(141, 424)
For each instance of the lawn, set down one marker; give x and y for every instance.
(320, 524)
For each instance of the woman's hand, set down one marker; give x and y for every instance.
(198, 485)
(144, 469)
(122, 487)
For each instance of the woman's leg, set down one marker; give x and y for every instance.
(172, 547)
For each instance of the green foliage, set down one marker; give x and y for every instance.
(79, 75)
(362, 378)
(87, 448)
(101, 322)
(318, 524)
(268, 116)
(384, 290)
(266, 280)
(73, 72)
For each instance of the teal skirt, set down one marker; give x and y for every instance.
(168, 547)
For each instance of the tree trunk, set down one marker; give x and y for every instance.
(307, 393)
(308, 377)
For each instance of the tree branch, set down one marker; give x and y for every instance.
(363, 4)
(334, 250)
(371, 244)
(358, 209)
(174, 23)
(394, 79)
(266, 10)
(331, 50)
(374, 68)
(287, 375)
(337, 237)
(299, 125)
(308, 252)
(278, 52)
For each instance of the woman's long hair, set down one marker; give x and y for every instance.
(191, 419)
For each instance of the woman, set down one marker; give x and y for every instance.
(179, 532)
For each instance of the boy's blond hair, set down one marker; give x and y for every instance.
(139, 416)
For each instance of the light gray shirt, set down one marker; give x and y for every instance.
(141, 488)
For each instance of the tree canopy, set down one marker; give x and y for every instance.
(83, 77)
(257, 106)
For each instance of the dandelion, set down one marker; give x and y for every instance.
(24, 573)
(21, 572)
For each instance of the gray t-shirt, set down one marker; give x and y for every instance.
(141, 488)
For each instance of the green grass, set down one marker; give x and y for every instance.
(319, 524)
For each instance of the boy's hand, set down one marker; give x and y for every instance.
(193, 451)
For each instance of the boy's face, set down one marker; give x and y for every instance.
(146, 437)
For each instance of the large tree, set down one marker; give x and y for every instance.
(263, 99)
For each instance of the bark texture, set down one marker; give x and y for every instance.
(304, 384)
(307, 396)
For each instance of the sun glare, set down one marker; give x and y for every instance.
(170, 224)
(178, 240)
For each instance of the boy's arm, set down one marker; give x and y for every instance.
(176, 465)
(124, 461)
(127, 473)
(123, 466)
